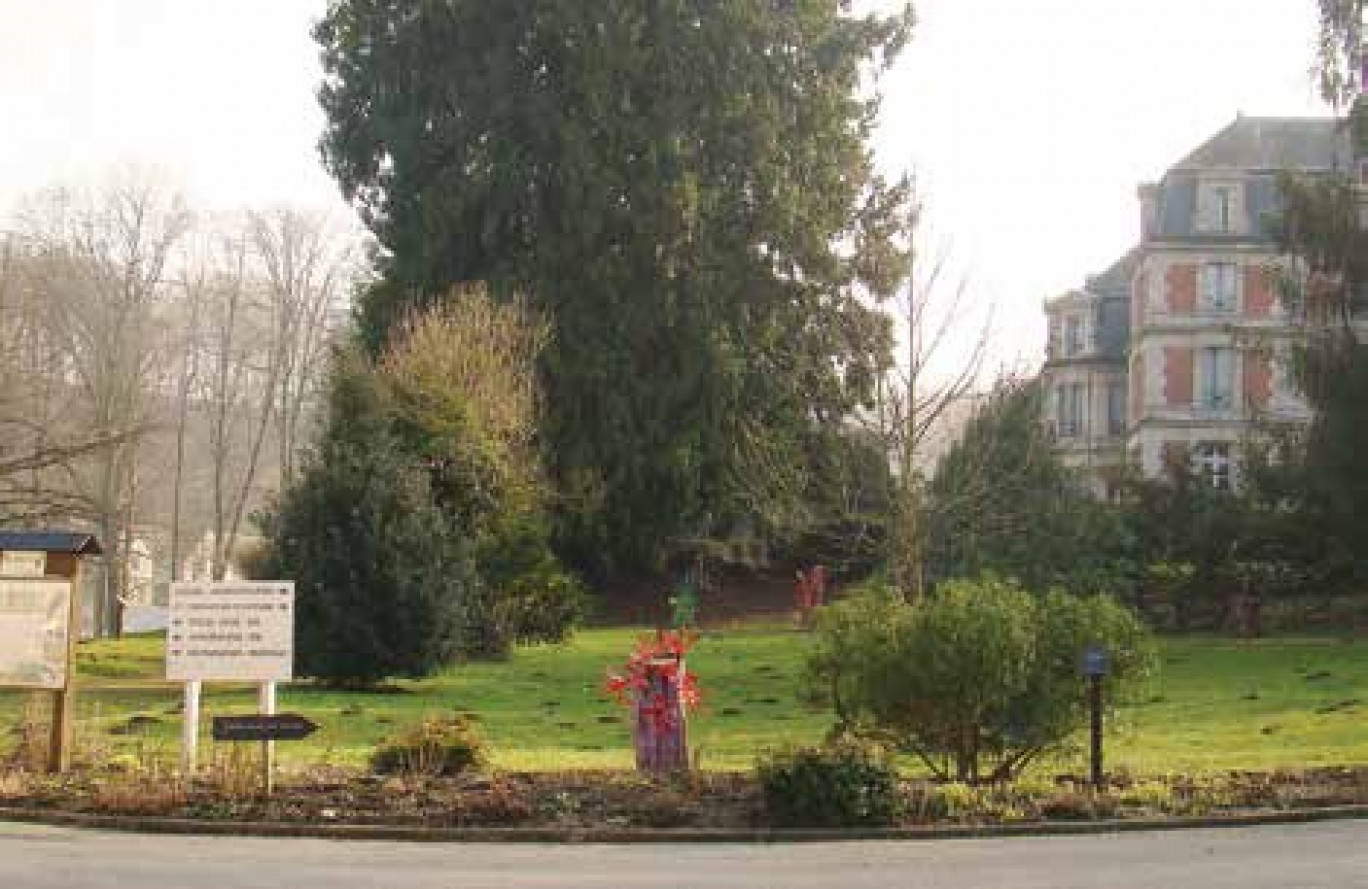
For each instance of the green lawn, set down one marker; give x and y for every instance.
(1218, 704)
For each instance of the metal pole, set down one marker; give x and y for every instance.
(1095, 695)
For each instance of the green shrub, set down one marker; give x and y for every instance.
(951, 800)
(842, 786)
(381, 572)
(528, 596)
(980, 679)
(437, 746)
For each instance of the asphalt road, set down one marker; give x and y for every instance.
(1333, 854)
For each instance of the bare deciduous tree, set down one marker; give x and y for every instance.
(99, 261)
(134, 337)
(307, 268)
(940, 366)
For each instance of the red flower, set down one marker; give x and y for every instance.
(662, 654)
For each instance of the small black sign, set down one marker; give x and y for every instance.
(280, 727)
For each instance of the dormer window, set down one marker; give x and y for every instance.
(1073, 336)
(1219, 207)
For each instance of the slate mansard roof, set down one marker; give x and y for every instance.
(1255, 150)
(1252, 148)
(1271, 144)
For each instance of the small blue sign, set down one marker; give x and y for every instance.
(1094, 661)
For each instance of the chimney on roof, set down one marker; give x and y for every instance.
(1148, 193)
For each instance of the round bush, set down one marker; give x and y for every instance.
(438, 746)
(844, 786)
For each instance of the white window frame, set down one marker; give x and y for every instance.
(1219, 207)
(1212, 460)
(1219, 286)
(1073, 335)
(1216, 378)
(1069, 409)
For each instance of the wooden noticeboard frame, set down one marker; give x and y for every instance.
(62, 552)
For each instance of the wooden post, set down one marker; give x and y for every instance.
(190, 719)
(266, 700)
(64, 699)
(661, 744)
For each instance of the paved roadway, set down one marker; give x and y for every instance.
(1333, 854)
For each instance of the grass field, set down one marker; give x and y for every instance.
(1218, 704)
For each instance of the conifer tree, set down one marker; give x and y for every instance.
(683, 189)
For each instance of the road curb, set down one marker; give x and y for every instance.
(615, 835)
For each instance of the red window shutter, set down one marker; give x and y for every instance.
(1180, 288)
(1259, 293)
(1258, 379)
(1177, 375)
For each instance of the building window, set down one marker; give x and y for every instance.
(1216, 208)
(1211, 461)
(1216, 371)
(1218, 287)
(1069, 409)
(1116, 408)
(1073, 336)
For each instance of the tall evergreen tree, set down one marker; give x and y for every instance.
(684, 188)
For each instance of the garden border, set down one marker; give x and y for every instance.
(633, 835)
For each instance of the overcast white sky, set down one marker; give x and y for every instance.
(1029, 123)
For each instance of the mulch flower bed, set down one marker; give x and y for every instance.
(619, 799)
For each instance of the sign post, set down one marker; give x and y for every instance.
(190, 718)
(266, 706)
(1094, 665)
(230, 631)
(64, 704)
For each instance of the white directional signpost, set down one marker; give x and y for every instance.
(229, 631)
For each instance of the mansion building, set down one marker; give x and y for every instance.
(1175, 352)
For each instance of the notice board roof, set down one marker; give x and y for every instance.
(50, 542)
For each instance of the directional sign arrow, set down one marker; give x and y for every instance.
(259, 727)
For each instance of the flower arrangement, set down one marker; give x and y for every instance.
(654, 679)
